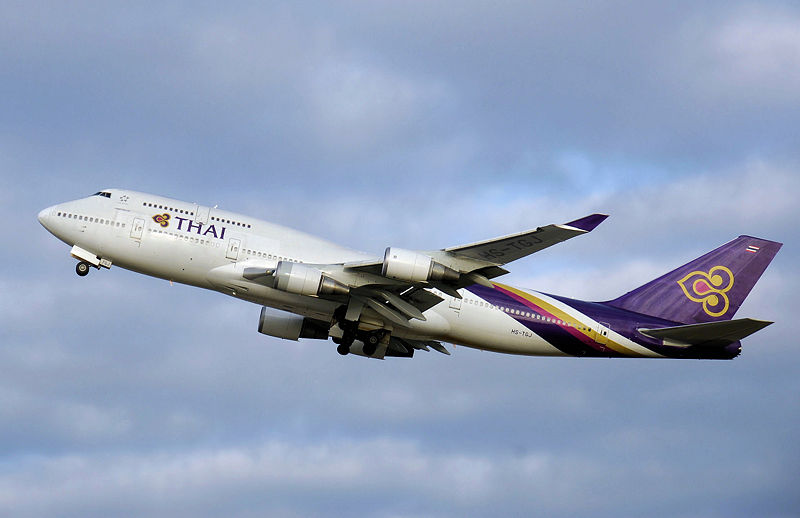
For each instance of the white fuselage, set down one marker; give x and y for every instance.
(210, 248)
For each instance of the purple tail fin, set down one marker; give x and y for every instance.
(708, 289)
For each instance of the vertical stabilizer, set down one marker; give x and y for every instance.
(708, 289)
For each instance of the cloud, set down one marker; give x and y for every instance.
(336, 473)
(755, 54)
(356, 105)
(418, 126)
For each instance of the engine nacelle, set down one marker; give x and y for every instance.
(406, 265)
(306, 280)
(289, 326)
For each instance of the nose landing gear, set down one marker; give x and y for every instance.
(82, 268)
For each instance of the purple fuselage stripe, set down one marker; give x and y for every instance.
(573, 342)
(543, 312)
(556, 335)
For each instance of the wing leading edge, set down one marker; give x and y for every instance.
(489, 255)
(503, 250)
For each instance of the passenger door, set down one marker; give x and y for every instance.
(233, 249)
(601, 333)
(137, 229)
(201, 214)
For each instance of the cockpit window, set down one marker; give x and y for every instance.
(103, 194)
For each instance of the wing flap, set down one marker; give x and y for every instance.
(423, 345)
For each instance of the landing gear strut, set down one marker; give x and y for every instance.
(348, 337)
(82, 268)
(371, 343)
(350, 333)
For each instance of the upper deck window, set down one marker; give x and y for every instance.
(103, 194)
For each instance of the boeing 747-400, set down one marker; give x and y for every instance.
(411, 300)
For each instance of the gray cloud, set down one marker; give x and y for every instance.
(419, 126)
(203, 481)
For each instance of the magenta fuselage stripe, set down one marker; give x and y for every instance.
(571, 330)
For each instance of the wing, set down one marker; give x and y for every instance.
(397, 288)
(486, 257)
(399, 297)
(502, 250)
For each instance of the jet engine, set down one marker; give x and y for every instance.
(306, 280)
(406, 265)
(289, 326)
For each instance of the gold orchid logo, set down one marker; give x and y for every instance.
(162, 219)
(709, 288)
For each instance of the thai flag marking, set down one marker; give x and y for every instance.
(753, 249)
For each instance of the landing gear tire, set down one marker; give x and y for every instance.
(82, 268)
(344, 345)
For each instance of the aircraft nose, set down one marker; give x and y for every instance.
(44, 215)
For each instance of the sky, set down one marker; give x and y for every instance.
(414, 124)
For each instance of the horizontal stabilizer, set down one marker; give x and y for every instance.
(710, 334)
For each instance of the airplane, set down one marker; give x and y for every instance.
(407, 300)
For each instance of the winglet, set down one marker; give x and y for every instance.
(587, 223)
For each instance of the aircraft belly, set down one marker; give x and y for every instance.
(490, 330)
(161, 256)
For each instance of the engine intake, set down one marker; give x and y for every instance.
(289, 326)
(306, 280)
(406, 265)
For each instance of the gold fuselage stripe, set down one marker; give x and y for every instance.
(564, 317)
